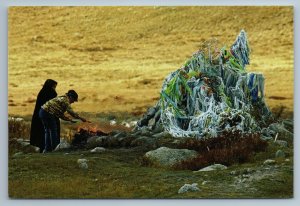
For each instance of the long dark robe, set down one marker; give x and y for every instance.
(37, 133)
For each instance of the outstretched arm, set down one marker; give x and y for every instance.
(75, 115)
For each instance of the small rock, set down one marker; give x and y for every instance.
(101, 139)
(245, 176)
(146, 132)
(132, 123)
(24, 144)
(82, 163)
(112, 122)
(158, 128)
(187, 187)
(212, 167)
(269, 162)
(233, 172)
(120, 134)
(162, 135)
(282, 143)
(248, 171)
(280, 154)
(287, 160)
(98, 149)
(205, 182)
(126, 124)
(147, 141)
(62, 145)
(281, 130)
(18, 154)
(266, 137)
(83, 166)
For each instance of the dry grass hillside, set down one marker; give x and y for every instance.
(117, 57)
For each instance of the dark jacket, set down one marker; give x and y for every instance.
(37, 133)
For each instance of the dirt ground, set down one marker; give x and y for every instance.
(116, 58)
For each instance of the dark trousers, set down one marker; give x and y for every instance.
(50, 126)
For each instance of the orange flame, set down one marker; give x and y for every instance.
(101, 127)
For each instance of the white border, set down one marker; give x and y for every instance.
(4, 4)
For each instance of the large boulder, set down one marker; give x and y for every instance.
(166, 157)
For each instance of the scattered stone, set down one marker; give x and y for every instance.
(245, 176)
(83, 166)
(269, 162)
(146, 132)
(233, 172)
(101, 139)
(96, 141)
(23, 145)
(212, 167)
(112, 122)
(187, 187)
(205, 182)
(287, 160)
(281, 130)
(120, 134)
(62, 145)
(125, 124)
(158, 128)
(144, 141)
(288, 124)
(132, 123)
(82, 163)
(98, 149)
(18, 154)
(79, 161)
(266, 137)
(248, 171)
(267, 133)
(280, 154)
(166, 157)
(164, 134)
(282, 143)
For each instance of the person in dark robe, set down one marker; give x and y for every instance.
(37, 132)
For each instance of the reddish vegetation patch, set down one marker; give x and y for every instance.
(227, 149)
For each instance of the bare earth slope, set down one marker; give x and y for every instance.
(117, 57)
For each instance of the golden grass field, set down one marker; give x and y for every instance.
(116, 58)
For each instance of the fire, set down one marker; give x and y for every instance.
(100, 128)
(91, 128)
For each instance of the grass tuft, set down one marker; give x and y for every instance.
(18, 128)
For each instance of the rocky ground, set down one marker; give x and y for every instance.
(140, 164)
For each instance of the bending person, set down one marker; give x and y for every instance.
(56, 108)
